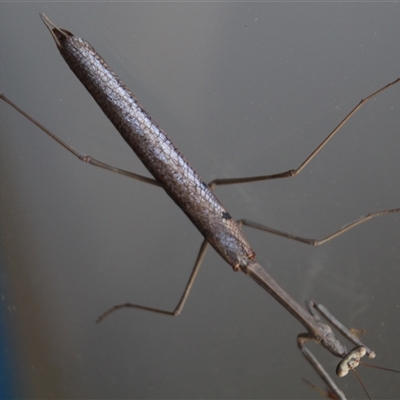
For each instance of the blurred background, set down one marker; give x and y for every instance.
(242, 89)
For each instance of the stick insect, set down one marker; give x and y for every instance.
(173, 173)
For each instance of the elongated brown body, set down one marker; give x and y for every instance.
(157, 152)
(181, 182)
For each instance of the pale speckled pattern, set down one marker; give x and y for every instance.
(157, 152)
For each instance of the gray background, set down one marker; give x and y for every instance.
(242, 89)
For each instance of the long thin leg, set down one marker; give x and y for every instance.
(181, 303)
(301, 341)
(312, 306)
(326, 394)
(316, 242)
(83, 157)
(293, 172)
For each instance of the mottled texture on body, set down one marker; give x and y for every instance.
(160, 156)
